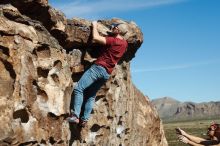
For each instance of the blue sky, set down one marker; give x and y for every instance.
(180, 56)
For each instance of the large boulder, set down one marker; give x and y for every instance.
(75, 33)
(42, 56)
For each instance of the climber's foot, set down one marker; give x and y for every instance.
(82, 123)
(73, 119)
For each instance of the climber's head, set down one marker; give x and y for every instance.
(118, 29)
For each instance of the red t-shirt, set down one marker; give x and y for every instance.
(111, 53)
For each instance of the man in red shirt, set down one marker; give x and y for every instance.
(86, 88)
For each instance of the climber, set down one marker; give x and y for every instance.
(113, 48)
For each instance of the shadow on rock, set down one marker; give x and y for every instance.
(75, 133)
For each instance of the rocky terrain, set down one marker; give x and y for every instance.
(42, 56)
(171, 109)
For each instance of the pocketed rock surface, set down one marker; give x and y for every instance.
(42, 55)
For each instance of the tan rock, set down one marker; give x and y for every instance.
(42, 56)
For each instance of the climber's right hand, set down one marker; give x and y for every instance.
(94, 23)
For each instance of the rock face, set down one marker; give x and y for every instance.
(170, 109)
(42, 56)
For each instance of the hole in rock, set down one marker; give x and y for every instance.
(43, 141)
(14, 17)
(42, 72)
(60, 36)
(99, 136)
(40, 92)
(22, 114)
(23, 101)
(105, 100)
(9, 68)
(127, 130)
(55, 78)
(95, 128)
(52, 115)
(99, 97)
(34, 82)
(59, 142)
(4, 50)
(7, 141)
(43, 94)
(51, 140)
(118, 135)
(119, 122)
(28, 143)
(42, 51)
(58, 64)
(109, 117)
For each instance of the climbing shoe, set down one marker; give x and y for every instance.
(73, 119)
(82, 123)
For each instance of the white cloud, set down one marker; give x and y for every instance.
(84, 8)
(175, 67)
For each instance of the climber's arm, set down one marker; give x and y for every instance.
(96, 37)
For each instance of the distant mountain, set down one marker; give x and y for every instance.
(171, 109)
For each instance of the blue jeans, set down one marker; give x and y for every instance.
(86, 89)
